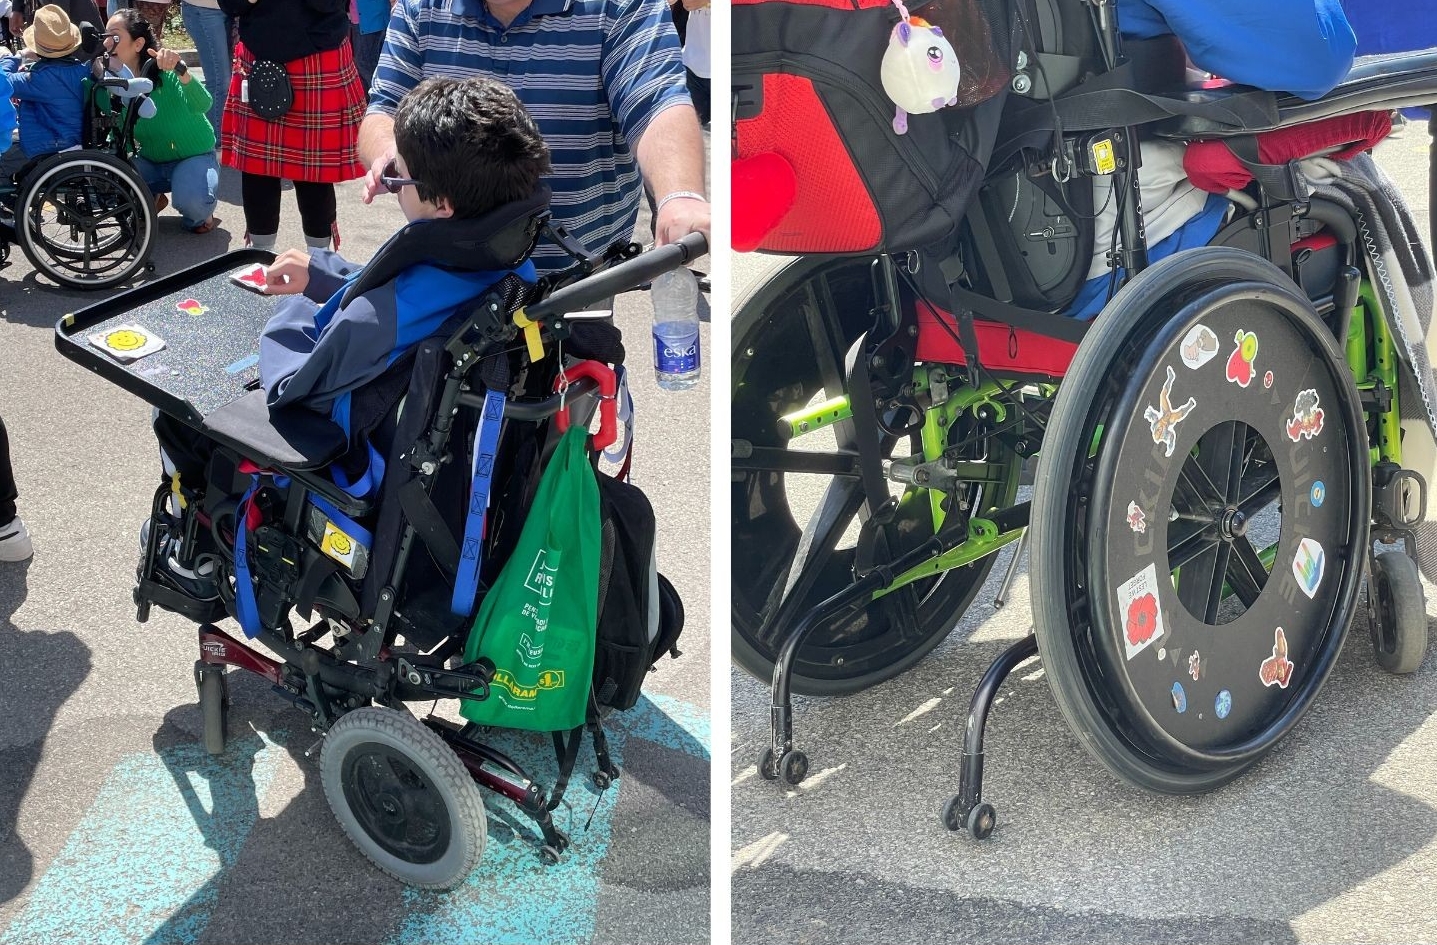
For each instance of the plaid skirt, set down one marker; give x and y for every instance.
(316, 140)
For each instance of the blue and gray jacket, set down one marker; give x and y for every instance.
(315, 353)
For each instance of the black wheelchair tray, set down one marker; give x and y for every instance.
(201, 368)
(207, 373)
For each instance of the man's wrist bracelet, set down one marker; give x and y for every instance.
(688, 194)
(180, 68)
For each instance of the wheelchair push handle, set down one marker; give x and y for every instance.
(627, 275)
(603, 375)
(131, 86)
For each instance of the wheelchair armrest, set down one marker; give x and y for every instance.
(298, 440)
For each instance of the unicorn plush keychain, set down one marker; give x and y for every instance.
(920, 69)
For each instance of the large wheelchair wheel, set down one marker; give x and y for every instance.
(403, 797)
(794, 522)
(85, 219)
(1200, 521)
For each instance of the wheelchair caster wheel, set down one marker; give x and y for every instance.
(981, 820)
(793, 766)
(549, 855)
(767, 767)
(214, 708)
(952, 815)
(602, 780)
(142, 608)
(1398, 613)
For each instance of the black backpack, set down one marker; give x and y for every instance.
(640, 614)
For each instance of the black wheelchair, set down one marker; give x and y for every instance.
(352, 596)
(1216, 459)
(85, 218)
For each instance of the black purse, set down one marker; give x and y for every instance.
(270, 94)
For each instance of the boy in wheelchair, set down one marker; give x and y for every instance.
(466, 149)
(51, 92)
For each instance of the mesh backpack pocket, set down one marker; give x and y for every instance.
(807, 87)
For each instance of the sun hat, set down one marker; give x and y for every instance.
(52, 35)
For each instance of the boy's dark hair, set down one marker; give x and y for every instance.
(470, 141)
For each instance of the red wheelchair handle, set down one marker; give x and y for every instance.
(603, 375)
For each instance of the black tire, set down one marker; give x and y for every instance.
(981, 821)
(793, 766)
(1109, 680)
(1398, 613)
(85, 219)
(768, 765)
(791, 336)
(214, 709)
(403, 797)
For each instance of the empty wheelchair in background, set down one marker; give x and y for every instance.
(1218, 454)
(85, 218)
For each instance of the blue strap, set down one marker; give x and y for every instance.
(346, 524)
(367, 483)
(466, 579)
(246, 607)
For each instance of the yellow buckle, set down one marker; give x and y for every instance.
(531, 335)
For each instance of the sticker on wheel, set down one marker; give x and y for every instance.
(1306, 420)
(1136, 520)
(1195, 666)
(1276, 670)
(1318, 494)
(1240, 368)
(1308, 565)
(1139, 610)
(1222, 705)
(1199, 346)
(1180, 698)
(1164, 418)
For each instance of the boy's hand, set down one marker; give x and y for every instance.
(372, 187)
(288, 274)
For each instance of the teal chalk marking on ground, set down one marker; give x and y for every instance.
(138, 867)
(513, 899)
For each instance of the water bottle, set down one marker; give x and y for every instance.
(676, 329)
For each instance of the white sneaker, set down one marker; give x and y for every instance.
(15, 541)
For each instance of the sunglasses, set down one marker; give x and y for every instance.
(392, 181)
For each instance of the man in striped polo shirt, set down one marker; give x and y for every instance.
(604, 80)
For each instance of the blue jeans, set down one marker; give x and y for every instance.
(191, 184)
(207, 28)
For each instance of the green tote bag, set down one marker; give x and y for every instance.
(537, 623)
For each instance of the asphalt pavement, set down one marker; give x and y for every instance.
(116, 827)
(1332, 838)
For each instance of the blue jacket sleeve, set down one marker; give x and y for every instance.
(327, 272)
(1300, 46)
(308, 359)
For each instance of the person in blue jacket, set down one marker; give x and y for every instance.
(465, 147)
(1300, 46)
(51, 92)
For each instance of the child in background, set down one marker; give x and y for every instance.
(51, 92)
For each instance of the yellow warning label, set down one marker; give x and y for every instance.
(1103, 158)
(548, 679)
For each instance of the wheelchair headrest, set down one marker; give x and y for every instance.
(500, 239)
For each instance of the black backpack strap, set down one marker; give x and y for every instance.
(1286, 182)
(567, 751)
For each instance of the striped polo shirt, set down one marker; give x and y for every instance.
(592, 73)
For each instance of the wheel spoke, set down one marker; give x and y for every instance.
(1245, 571)
(1200, 584)
(811, 557)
